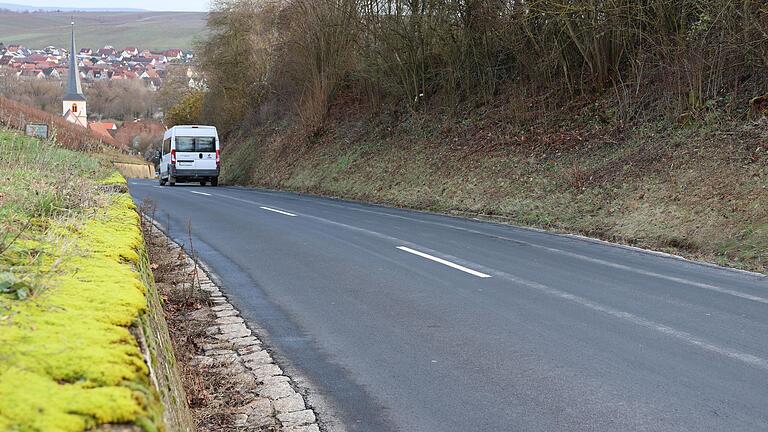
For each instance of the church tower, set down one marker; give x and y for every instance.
(73, 107)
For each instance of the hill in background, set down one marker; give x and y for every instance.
(153, 30)
(26, 8)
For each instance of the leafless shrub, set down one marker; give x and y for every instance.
(236, 59)
(577, 177)
(689, 56)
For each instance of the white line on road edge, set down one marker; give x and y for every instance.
(200, 193)
(156, 186)
(277, 211)
(444, 262)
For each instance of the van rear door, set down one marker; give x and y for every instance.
(205, 147)
(196, 152)
(185, 152)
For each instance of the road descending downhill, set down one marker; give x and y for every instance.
(398, 320)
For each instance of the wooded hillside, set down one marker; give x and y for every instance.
(678, 59)
(637, 121)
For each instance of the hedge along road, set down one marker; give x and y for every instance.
(409, 321)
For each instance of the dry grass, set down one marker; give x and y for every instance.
(39, 179)
(136, 170)
(15, 116)
(180, 299)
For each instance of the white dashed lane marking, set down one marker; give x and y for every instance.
(444, 262)
(277, 211)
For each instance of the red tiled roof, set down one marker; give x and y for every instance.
(102, 129)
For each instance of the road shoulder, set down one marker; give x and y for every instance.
(232, 380)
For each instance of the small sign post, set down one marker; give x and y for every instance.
(38, 130)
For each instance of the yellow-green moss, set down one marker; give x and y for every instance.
(114, 179)
(68, 360)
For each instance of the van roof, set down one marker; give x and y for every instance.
(191, 130)
(194, 127)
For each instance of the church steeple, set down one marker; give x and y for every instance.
(74, 88)
(74, 101)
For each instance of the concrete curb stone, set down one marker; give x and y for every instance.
(235, 348)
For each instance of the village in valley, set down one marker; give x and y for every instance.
(72, 69)
(109, 62)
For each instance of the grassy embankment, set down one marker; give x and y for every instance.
(698, 189)
(75, 296)
(16, 115)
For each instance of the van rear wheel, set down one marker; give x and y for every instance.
(203, 182)
(214, 181)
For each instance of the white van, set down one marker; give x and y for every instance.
(190, 154)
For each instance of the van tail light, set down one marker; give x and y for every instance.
(173, 157)
(218, 158)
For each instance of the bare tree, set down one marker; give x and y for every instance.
(688, 55)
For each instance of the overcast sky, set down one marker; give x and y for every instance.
(165, 5)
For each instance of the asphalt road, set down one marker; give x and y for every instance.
(398, 320)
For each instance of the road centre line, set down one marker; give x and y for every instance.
(277, 211)
(258, 204)
(575, 255)
(680, 335)
(200, 193)
(444, 262)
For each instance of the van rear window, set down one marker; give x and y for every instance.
(195, 144)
